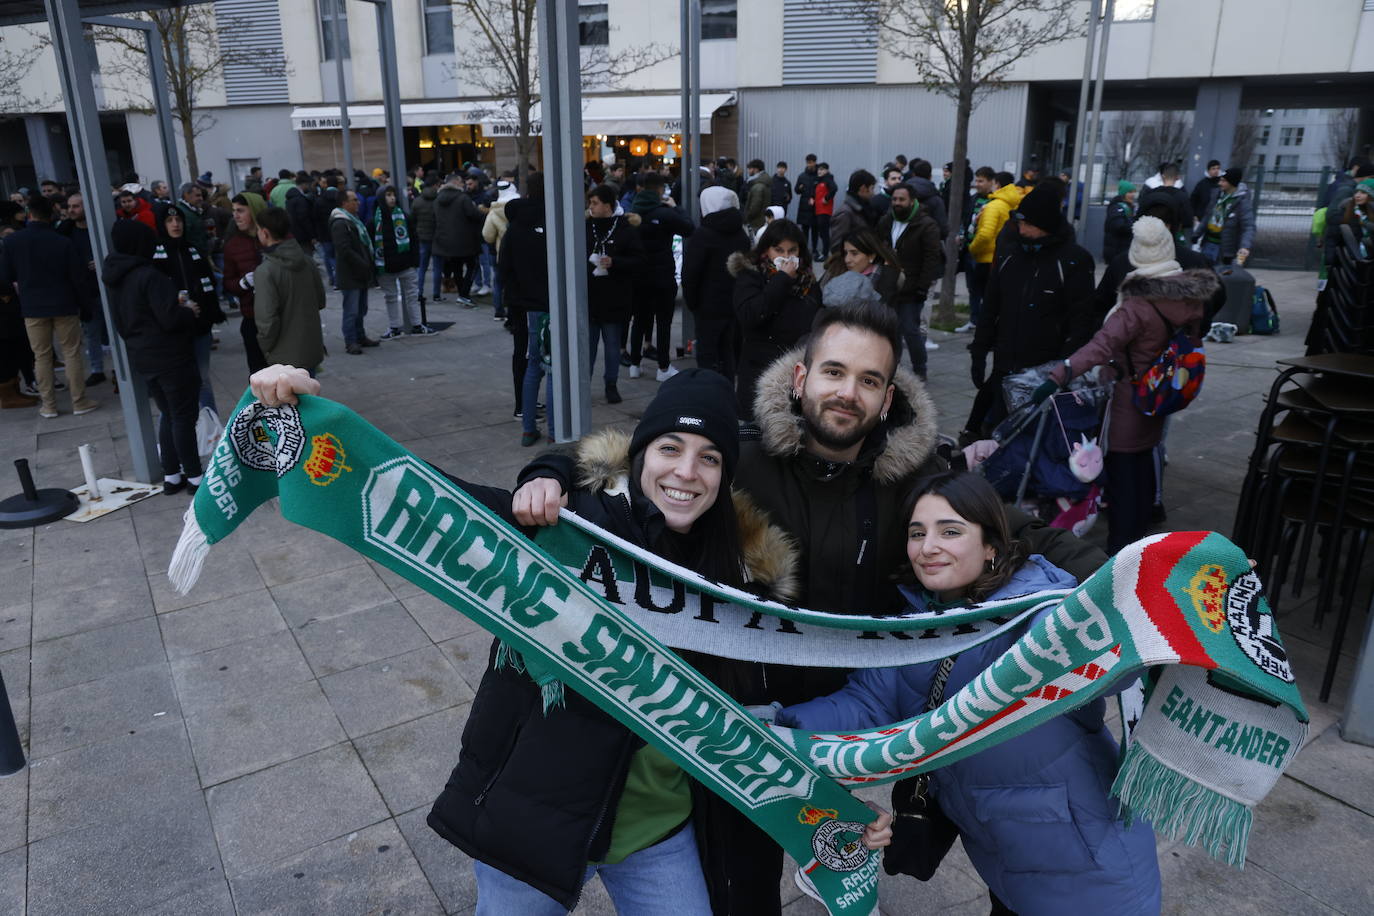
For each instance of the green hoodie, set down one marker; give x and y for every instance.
(290, 296)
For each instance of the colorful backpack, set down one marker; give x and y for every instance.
(1174, 378)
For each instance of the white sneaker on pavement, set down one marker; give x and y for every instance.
(967, 328)
(664, 374)
(634, 371)
(931, 345)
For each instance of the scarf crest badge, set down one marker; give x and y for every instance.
(580, 608)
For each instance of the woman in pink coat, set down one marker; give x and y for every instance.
(1155, 300)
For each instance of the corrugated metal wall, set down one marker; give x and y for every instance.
(820, 46)
(862, 127)
(253, 24)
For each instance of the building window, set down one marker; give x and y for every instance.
(1286, 163)
(1291, 136)
(1133, 11)
(718, 19)
(1264, 135)
(328, 10)
(1259, 160)
(593, 25)
(438, 27)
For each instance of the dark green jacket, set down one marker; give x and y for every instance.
(290, 295)
(195, 228)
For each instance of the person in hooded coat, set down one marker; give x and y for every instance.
(1116, 231)
(1156, 298)
(655, 294)
(708, 287)
(290, 298)
(159, 331)
(493, 231)
(615, 257)
(183, 263)
(242, 254)
(776, 298)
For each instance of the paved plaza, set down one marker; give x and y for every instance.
(271, 742)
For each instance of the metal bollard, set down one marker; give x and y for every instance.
(11, 751)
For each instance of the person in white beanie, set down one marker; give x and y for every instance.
(1157, 298)
(493, 231)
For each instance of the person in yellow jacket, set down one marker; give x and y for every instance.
(992, 216)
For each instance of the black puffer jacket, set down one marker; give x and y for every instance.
(534, 794)
(185, 267)
(928, 196)
(611, 298)
(457, 224)
(774, 313)
(1118, 229)
(658, 224)
(158, 333)
(524, 259)
(1038, 305)
(708, 287)
(300, 210)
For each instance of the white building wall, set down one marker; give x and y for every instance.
(241, 132)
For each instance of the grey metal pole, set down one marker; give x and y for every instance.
(339, 7)
(1091, 151)
(162, 109)
(75, 66)
(691, 180)
(391, 99)
(1080, 126)
(693, 125)
(561, 110)
(1357, 724)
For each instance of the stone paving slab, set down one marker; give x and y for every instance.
(336, 644)
(97, 710)
(239, 671)
(216, 624)
(394, 690)
(411, 762)
(269, 816)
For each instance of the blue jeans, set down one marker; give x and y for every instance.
(664, 878)
(1212, 252)
(354, 310)
(496, 294)
(327, 255)
(485, 264)
(207, 392)
(95, 342)
(534, 371)
(609, 333)
(426, 255)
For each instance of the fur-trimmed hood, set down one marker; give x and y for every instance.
(1196, 285)
(739, 262)
(771, 556)
(911, 427)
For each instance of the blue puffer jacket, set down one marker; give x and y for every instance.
(1033, 812)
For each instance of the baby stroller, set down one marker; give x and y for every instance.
(1049, 456)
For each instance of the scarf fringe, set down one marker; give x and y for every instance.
(551, 690)
(189, 556)
(1180, 808)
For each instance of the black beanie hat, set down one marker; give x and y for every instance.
(1232, 176)
(1040, 207)
(131, 236)
(693, 401)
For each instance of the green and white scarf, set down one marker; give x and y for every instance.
(400, 231)
(356, 224)
(1216, 732)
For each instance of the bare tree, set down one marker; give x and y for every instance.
(964, 49)
(1165, 138)
(504, 64)
(1246, 138)
(196, 47)
(1121, 142)
(1341, 136)
(15, 64)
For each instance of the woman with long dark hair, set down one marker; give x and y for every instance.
(176, 257)
(1033, 812)
(1358, 214)
(776, 299)
(397, 254)
(862, 269)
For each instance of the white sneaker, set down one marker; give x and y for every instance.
(664, 374)
(634, 372)
(931, 345)
(968, 328)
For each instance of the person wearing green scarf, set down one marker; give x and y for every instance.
(1228, 230)
(397, 259)
(355, 270)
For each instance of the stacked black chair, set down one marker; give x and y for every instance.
(1344, 322)
(1311, 480)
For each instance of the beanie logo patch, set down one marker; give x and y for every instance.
(690, 421)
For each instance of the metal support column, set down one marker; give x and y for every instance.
(1080, 126)
(75, 66)
(690, 20)
(162, 108)
(1214, 125)
(560, 104)
(391, 99)
(1097, 98)
(339, 7)
(1357, 725)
